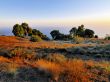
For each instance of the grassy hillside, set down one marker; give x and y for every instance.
(54, 61)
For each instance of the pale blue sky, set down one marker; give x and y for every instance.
(92, 13)
(51, 9)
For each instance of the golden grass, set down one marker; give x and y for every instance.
(50, 67)
(68, 71)
(3, 59)
(6, 65)
(76, 71)
(73, 70)
(11, 42)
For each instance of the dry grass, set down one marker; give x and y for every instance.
(58, 58)
(11, 42)
(76, 71)
(49, 67)
(73, 70)
(66, 71)
(3, 59)
(78, 40)
(8, 67)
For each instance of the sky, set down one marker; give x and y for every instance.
(56, 14)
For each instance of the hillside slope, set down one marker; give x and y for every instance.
(52, 61)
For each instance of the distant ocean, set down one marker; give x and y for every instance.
(46, 30)
(5, 31)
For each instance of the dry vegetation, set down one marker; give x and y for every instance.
(67, 71)
(16, 41)
(25, 61)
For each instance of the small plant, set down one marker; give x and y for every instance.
(56, 58)
(50, 68)
(78, 39)
(75, 70)
(96, 36)
(35, 38)
(10, 68)
(22, 52)
(17, 52)
(107, 37)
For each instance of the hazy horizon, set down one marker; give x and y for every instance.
(56, 14)
(46, 30)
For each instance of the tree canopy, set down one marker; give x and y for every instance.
(24, 30)
(82, 32)
(56, 35)
(18, 30)
(89, 33)
(73, 31)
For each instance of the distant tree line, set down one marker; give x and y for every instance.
(24, 30)
(56, 35)
(80, 32)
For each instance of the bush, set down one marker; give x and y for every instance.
(96, 36)
(22, 52)
(78, 40)
(5, 53)
(107, 38)
(18, 30)
(75, 71)
(56, 58)
(35, 38)
(8, 67)
(17, 52)
(53, 70)
(77, 50)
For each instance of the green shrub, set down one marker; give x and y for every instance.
(17, 52)
(10, 68)
(56, 58)
(5, 53)
(77, 50)
(78, 40)
(22, 52)
(35, 38)
(18, 30)
(107, 38)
